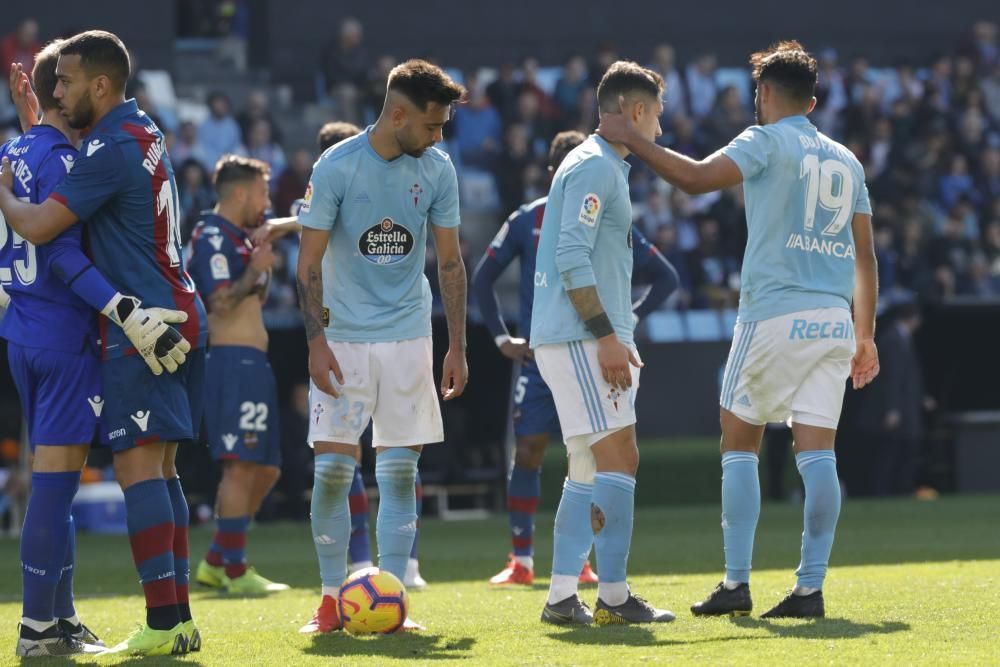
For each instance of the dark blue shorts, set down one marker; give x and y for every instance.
(534, 407)
(142, 408)
(241, 406)
(60, 394)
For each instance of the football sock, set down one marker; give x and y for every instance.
(43, 541)
(418, 494)
(359, 547)
(822, 509)
(331, 518)
(523, 491)
(150, 519)
(182, 518)
(614, 497)
(396, 524)
(740, 512)
(231, 534)
(572, 538)
(64, 607)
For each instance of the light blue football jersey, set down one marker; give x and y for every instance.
(802, 190)
(586, 240)
(377, 211)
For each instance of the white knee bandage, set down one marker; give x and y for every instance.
(582, 465)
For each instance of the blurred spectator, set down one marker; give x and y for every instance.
(674, 95)
(184, 145)
(572, 81)
(261, 146)
(477, 131)
(503, 92)
(831, 93)
(514, 160)
(20, 46)
(714, 273)
(727, 119)
(374, 96)
(194, 194)
(218, 134)
(292, 183)
(701, 84)
(256, 108)
(900, 400)
(345, 70)
(604, 56)
(666, 241)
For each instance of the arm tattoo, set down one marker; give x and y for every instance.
(225, 299)
(451, 276)
(311, 301)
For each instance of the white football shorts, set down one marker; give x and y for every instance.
(793, 366)
(585, 403)
(391, 384)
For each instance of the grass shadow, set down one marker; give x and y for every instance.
(822, 628)
(407, 645)
(631, 635)
(187, 659)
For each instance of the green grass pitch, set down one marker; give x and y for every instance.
(911, 583)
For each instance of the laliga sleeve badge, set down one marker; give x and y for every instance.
(589, 210)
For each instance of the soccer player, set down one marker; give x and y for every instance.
(241, 415)
(809, 257)
(122, 186)
(359, 548)
(534, 410)
(367, 304)
(52, 334)
(581, 334)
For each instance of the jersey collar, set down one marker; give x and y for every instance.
(378, 158)
(610, 152)
(221, 222)
(116, 116)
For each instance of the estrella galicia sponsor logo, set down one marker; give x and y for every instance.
(386, 242)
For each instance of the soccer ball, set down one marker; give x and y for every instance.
(373, 600)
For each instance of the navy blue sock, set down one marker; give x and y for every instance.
(359, 548)
(64, 607)
(182, 518)
(524, 488)
(43, 540)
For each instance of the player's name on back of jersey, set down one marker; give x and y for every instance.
(822, 246)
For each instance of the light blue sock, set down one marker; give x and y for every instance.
(331, 516)
(822, 509)
(740, 511)
(396, 523)
(572, 533)
(614, 496)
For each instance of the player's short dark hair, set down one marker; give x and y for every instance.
(100, 52)
(43, 75)
(233, 169)
(335, 132)
(562, 144)
(788, 66)
(623, 78)
(423, 83)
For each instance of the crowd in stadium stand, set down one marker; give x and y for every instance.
(928, 133)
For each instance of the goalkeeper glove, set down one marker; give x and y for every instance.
(160, 345)
(4, 298)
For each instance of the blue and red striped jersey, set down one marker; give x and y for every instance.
(123, 188)
(40, 160)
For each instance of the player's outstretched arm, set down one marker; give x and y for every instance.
(323, 366)
(454, 288)
(275, 228)
(661, 274)
(864, 365)
(35, 223)
(692, 176)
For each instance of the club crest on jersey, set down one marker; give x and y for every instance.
(589, 209)
(416, 191)
(386, 242)
(307, 199)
